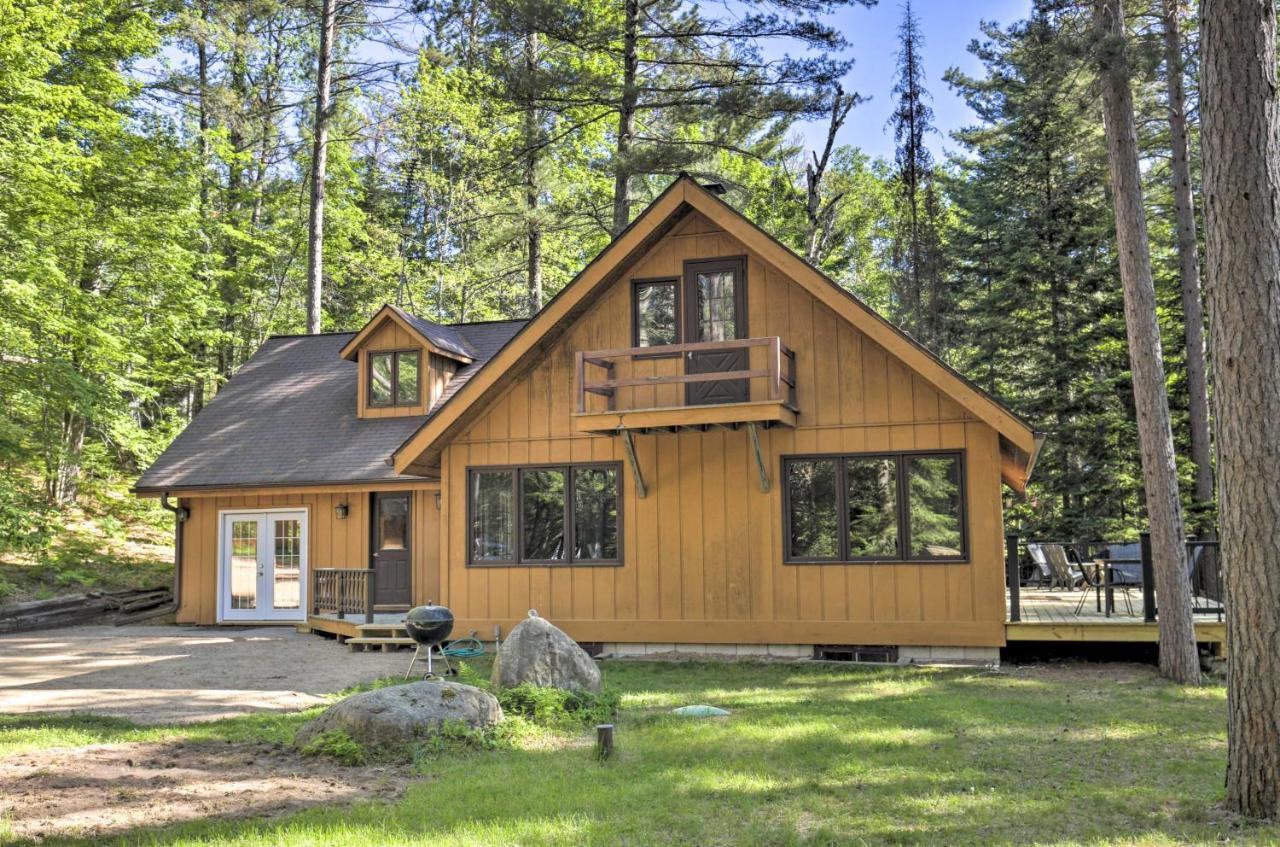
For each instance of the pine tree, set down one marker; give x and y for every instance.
(1241, 138)
(1038, 314)
(1179, 658)
(920, 295)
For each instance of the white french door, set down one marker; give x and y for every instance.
(262, 565)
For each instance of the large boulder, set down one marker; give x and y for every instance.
(399, 714)
(538, 653)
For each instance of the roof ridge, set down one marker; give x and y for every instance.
(494, 321)
(308, 334)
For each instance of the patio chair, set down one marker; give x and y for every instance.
(1123, 561)
(1043, 572)
(1065, 573)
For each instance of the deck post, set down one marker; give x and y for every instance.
(1148, 578)
(370, 589)
(1012, 576)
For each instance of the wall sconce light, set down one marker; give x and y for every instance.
(437, 499)
(341, 511)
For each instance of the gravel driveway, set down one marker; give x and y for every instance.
(171, 674)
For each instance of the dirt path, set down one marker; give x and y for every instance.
(172, 674)
(97, 791)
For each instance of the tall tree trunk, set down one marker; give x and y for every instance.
(319, 161)
(533, 149)
(626, 118)
(1188, 266)
(1241, 141)
(1179, 659)
(819, 213)
(206, 153)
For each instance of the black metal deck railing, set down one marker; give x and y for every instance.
(1204, 573)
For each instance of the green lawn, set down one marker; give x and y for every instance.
(813, 755)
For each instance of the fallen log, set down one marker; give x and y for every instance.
(77, 609)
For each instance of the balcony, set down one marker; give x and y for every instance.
(747, 381)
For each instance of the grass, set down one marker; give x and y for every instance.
(812, 755)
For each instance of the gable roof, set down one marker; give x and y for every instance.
(420, 452)
(288, 417)
(438, 338)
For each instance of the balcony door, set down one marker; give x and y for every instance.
(715, 309)
(392, 557)
(263, 566)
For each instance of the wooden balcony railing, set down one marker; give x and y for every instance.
(778, 373)
(342, 592)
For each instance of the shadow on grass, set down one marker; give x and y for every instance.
(820, 755)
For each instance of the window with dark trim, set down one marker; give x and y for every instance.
(545, 515)
(395, 377)
(655, 312)
(874, 507)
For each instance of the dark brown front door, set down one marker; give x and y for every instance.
(715, 309)
(392, 561)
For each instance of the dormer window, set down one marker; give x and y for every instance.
(394, 378)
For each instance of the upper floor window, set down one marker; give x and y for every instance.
(545, 515)
(655, 313)
(394, 377)
(708, 303)
(874, 507)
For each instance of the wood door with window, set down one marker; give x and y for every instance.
(715, 309)
(392, 552)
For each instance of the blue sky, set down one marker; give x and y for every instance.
(949, 26)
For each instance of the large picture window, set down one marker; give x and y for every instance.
(394, 378)
(874, 507)
(545, 515)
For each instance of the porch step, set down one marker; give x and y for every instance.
(388, 644)
(382, 630)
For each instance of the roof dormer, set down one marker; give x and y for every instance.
(405, 363)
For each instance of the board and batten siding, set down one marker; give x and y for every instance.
(702, 553)
(332, 542)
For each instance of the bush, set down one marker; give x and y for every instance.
(27, 522)
(337, 745)
(558, 709)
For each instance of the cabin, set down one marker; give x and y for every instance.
(702, 444)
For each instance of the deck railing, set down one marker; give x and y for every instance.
(779, 371)
(343, 591)
(1204, 573)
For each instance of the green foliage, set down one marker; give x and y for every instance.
(555, 708)
(1041, 319)
(27, 523)
(337, 745)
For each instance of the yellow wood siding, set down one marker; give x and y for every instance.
(332, 542)
(703, 552)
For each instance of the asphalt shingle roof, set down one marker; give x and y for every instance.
(288, 416)
(447, 338)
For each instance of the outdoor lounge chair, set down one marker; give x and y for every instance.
(1044, 572)
(1065, 572)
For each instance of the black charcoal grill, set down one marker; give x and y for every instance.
(429, 626)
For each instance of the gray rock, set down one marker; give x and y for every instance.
(401, 713)
(538, 653)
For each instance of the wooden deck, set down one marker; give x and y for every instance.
(353, 626)
(1051, 615)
